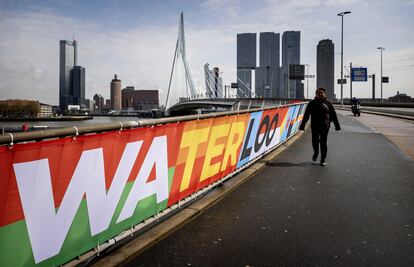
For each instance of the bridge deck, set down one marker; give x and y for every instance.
(358, 210)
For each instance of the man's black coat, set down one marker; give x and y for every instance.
(322, 112)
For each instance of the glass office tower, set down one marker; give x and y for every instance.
(78, 85)
(67, 60)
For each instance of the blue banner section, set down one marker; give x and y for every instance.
(249, 138)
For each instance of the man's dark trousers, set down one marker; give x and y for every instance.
(320, 136)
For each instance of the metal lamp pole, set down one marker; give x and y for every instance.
(307, 81)
(342, 14)
(288, 63)
(381, 49)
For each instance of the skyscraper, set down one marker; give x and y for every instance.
(78, 84)
(67, 60)
(246, 62)
(325, 67)
(214, 83)
(116, 97)
(267, 74)
(290, 55)
(71, 76)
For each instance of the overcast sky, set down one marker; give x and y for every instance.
(136, 40)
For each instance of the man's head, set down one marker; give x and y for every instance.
(320, 93)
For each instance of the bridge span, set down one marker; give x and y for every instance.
(212, 104)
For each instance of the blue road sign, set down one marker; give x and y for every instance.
(359, 74)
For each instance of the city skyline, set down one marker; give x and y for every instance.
(140, 49)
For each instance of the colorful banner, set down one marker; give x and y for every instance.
(63, 197)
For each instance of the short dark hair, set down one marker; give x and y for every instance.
(321, 88)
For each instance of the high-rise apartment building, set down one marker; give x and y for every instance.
(325, 67)
(268, 73)
(290, 55)
(71, 76)
(246, 62)
(116, 97)
(214, 83)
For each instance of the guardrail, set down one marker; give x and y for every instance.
(12, 138)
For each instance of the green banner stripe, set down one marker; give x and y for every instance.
(15, 248)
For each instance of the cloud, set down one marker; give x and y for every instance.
(30, 55)
(141, 54)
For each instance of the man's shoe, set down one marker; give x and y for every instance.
(314, 157)
(323, 163)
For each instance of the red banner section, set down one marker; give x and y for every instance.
(81, 192)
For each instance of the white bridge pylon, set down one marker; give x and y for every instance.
(180, 53)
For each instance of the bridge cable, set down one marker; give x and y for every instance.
(171, 75)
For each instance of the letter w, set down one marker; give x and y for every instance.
(48, 228)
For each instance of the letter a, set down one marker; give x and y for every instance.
(157, 154)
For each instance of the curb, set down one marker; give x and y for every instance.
(132, 249)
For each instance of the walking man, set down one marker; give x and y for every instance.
(323, 113)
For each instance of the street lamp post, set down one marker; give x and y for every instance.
(307, 81)
(342, 14)
(288, 68)
(381, 49)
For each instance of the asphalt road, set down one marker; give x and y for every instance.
(356, 211)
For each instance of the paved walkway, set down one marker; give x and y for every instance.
(356, 211)
(399, 131)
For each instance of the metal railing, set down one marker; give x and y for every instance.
(13, 138)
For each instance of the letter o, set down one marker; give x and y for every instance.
(265, 122)
(274, 121)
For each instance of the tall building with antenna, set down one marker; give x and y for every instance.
(71, 76)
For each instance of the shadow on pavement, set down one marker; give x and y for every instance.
(291, 164)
